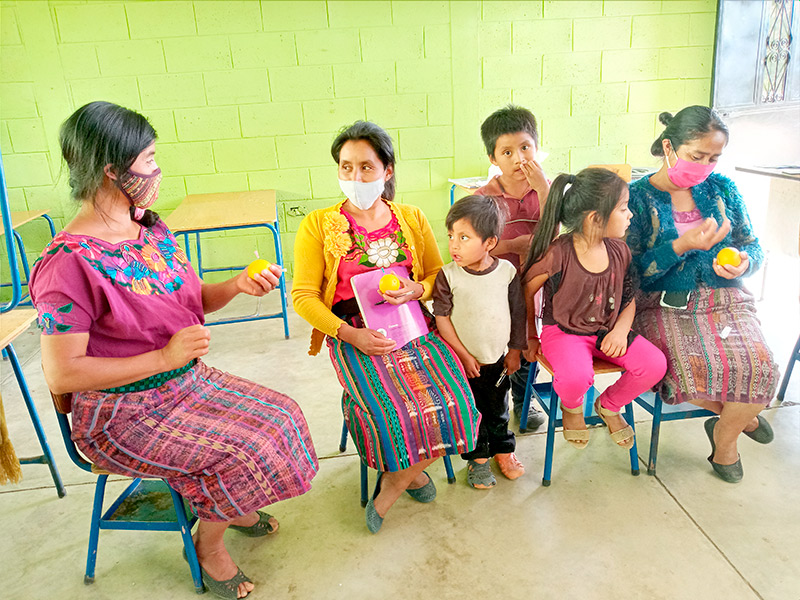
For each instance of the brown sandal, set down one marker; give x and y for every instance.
(578, 438)
(623, 437)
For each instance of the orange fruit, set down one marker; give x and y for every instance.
(256, 266)
(390, 281)
(729, 256)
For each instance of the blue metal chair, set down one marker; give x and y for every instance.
(789, 367)
(653, 404)
(144, 505)
(548, 399)
(448, 466)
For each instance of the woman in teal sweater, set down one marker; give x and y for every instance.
(693, 308)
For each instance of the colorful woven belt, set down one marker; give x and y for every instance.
(151, 382)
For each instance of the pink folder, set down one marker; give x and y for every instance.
(401, 323)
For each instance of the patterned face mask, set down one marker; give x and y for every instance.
(140, 190)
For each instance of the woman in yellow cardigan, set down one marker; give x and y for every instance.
(404, 407)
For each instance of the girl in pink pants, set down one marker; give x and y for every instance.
(588, 301)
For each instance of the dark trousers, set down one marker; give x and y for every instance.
(494, 436)
(518, 382)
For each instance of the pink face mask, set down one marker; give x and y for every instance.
(140, 190)
(686, 174)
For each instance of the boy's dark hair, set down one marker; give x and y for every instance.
(688, 124)
(590, 190)
(509, 119)
(376, 137)
(482, 212)
(99, 134)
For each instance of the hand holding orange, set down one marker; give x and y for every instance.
(390, 281)
(729, 256)
(257, 266)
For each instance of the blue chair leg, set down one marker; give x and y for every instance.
(343, 440)
(551, 438)
(526, 404)
(94, 529)
(47, 455)
(364, 485)
(448, 467)
(634, 453)
(654, 434)
(789, 367)
(188, 543)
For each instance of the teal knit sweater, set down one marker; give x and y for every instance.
(652, 232)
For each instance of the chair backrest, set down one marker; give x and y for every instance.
(62, 402)
(63, 406)
(623, 170)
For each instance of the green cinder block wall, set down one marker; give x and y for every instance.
(248, 94)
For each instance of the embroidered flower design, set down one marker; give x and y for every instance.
(337, 241)
(383, 252)
(153, 259)
(51, 319)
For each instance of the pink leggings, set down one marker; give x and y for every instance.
(573, 375)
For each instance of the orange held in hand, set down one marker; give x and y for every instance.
(257, 266)
(729, 256)
(390, 281)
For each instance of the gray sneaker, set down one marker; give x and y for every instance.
(536, 418)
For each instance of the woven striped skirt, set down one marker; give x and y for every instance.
(407, 406)
(702, 362)
(227, 445)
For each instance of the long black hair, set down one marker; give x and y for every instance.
(590, 190)
(376, 137)
(688, 124)
(100, 134)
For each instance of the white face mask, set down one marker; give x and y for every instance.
(362, 193)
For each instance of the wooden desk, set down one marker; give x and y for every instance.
(467, 184)
(13, 323)
(204, 213)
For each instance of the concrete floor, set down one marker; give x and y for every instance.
(596, 533)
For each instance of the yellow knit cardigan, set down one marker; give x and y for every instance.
(322, 240)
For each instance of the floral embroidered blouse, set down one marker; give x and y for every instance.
(130, 297)
(370, 250)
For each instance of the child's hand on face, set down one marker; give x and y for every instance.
(615, 344)
(535, 175)
(471, 365)
(511, 361)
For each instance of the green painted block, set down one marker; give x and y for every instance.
(576, 130)
(437, 41)
(120, 90)
(544, 100)
(362, 79)
(227, 16)
(366, 13)
(276, 118)
(511, 11)
(9, 29)
(162, 19)
(409, 12)
(698, 91)
(285, 16)
(312, 150)
(142, 57)
(558, 9)
(490, 100)
(580, 158)
(207, 53)
(425, 142)
(639, 155)
(26, 169)
(425, 75)
(415, 175)
(701, 29)
(80, 23)
(240, 86)
(576, 67)
(402, 110)
(630, 65)
(54, 198)
(695, 61)
(396, 43)
(600, 98)
(163, 121)
(614, 8)
(327, 46)
(625, 128)
(301, 83)
(186, 158)
(329, 115)
(542, 37)
(79, 61)
(557, 161)
(689, 6)
(295, 212)
(324, 181)
(440, 109)
(17, 101)
(16, 201)
(27, 135)
(184, 90)
(434, 203)
(14, 65)
(216, 183)
(494, 38)
(5, 139)
(263, 50)
(198, 124)
(171, 193)
(441, 170)
(288, 183)
(608, 33)
(656, 96)
(251, 154)
(517, 70)
(660, 31)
